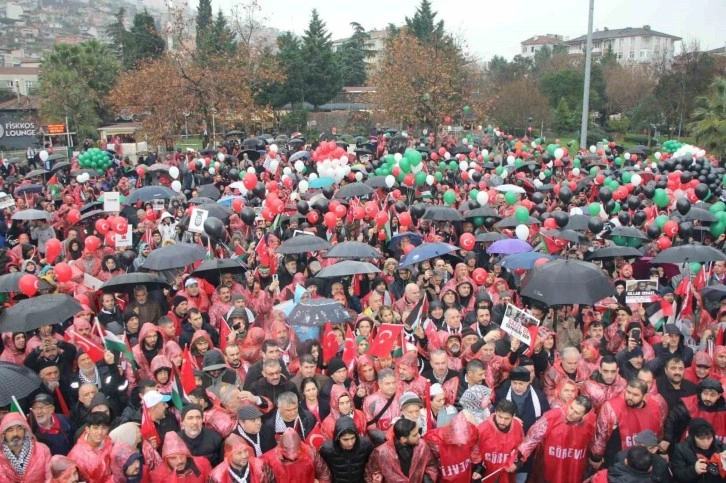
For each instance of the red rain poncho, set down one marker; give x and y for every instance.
(38, 467)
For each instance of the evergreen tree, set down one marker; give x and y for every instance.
(563, 118)
(353, 54)
(289, 59)
(222, 40)
(424, 25)
(144, 42)
(205, 21)
(321, 72)
(118, 33)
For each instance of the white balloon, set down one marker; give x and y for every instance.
(626, 156)
(86, 177)
(79, 178)
(482, 198)
(654, 166)
(576, 171)
(463, 165)
(273, 148)
(398, 157)
(559, 152)
(522, 232)
(549, 165)
(447, 155)
(576, 211)
(212, 171)
(287, 170)
(359, 176)
(220, 157)
(533, 144)
(485, 152)
(294, 196)
(251, 170)
(542, 176)
(335, 163)
(176, 185)
(344, 160)
(346, 170)
(657, 155)
(174, 172)
(313, 176)
(636, 179)
(299, 166)
(537, 183)
(417, 168)
(593, 149)
(430, 179)
(302, 186)
(390, 180)
(505, 173)
(464, 141)
(510, 160)
(43, 155)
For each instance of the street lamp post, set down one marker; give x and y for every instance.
(214, 129)
(588, 68)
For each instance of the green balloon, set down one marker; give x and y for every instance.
(449, 197)
(717, 207)
(576, 163)
(521, 213)
(616, 210)
(551, 149)
(661, 198)
(627, 176)
(547, 173)
(426, 97)
(405, 165)
(695, 267)
(499, 170)
(414, 157)
(442, 165)
(467, 109)
(438, 175)
(613, 184)
(400, 176)
(420, 178)
(473, 194)
(518, 163)
(594, 170)
(717, 229)
(377, 171)
(721, 215)
(478, 221)
(619, 240)
(594, 209)
(453, 165)
(618, 161)
(661, 220)
(100, 171)
(510, 198)
(390, 160)
(634, 242)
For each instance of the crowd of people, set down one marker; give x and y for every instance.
(217, 383)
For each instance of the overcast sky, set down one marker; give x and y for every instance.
(498, 27)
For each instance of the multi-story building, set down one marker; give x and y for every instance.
(376, 45)
(534, 44)
(630, 45)
(19, 79)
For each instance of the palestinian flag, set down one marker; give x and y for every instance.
(177, 391)
(113, 343)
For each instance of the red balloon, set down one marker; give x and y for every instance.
(359, 213)
(663, 242)
(74, 216)
(404, 218)
(371, 208)
(396, 171)
(467, 241)
(434, 156)
(63, 272)
(381, 218)
(192, 166)
(670, 228)
(268, 214)
(102, 226)
(407, 248)
(277, 206)
(330, 220)
(52, 249)
(550, 223)
(82, 299)
(540, 261)
(92, 243)
(110, 239)
(396, 194)
(333, 205)
(250, 181)
(340, 211)
(237, 205)
(122, 225)
(28, 285)
(313, 217)
(382, 235)
(479, 275)
(141, 170)
(272, 187)
(442, 151)
(150, 215)
(287, 182)
(409, 179)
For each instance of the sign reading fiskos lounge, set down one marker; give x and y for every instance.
(18, 133)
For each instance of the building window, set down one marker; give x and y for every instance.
(532, 49)
(620, 55)
(10, 84)
(632, 54)
(643, 53)
(524, 49)
(28, 84)
(621, 41)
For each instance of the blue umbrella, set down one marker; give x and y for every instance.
(395, 240)
(523, 260)
(299, 155)
(426, 251)
(509, 246)
(320, 182)
(227, 200)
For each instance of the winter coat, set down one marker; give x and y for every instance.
(111, 383)
(346, 466)
(306, 426)
(198, 469)
(38, 467)
(689, 408)
(208, 444)
(620, 473)
(456, 448)
(10, 353)
(60, 438)
(599, 392)
(143, 365)
(94, 464)
(684, 460)
(555, 374)
(384, 462)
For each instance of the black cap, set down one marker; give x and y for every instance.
(248, 412)
(711, 383)
(335, 364)
(43, 398)
(520, 374)
(191, 407)
(647, 438)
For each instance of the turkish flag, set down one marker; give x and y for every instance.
(330, 345)
(148, 429)
(349, 351)
(94, 351)
(187, 372)
(315, 438)
(385, 339)
(554, 245)
(224, 332)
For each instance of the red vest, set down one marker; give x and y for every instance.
(498, 450)
(716, 418)
(565, 448)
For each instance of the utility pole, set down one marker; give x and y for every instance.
(588, 68)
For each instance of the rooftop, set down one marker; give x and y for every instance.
(26, 103)
(19, 71)
(606, 34)
(542, 40)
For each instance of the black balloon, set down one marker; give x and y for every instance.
(303, 207)
(565, 194)
(701, 191)
(329, 191)
(633, 202)
(322, 205)
(686, 177)
(473, 205)
(685, 229)
(624, 218)
(649, 191)
(653, 231)
(537, 198)
(609, 207)
(489, 221)
(259, 190)
(595, 225)
(683, 206)
(234, 173)
(400, 207)
(639, 218)
(476, 176)
(561, 218)
(541, 207)
(214, 228)
(247, 215)
(418, 210)
(605, 194)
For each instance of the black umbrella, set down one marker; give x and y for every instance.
(699, 214)
(569, 235)
(29, 314)
(58, 166)
(461, 150)
(613, 252)
(92, 173)
(303, 244)
(89, 215)
(318, 312)
(57, 156)
(490, 237)
(563, 282)
(18, 381)
(209, 191)
(159, 167)
(148, 193)
(353, 190)
(29, 188)
(377, 182)
(578, 222)
(347, 268)
(210, 270)
(233, 132)
(353, 249)
(126, 283)
(31, 214)
(35, 173)
(689, 253)
(200, 200)
(174, 256)
(217, 211)
(10, 282)
(714, 292)
(513, 222)
(442, 213)
(93, 205)
(483, 211)
(252, 154)
(628, 232)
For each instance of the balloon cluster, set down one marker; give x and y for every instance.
(96, 159)
(332, 160)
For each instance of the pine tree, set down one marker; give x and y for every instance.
(321, 71)
(222, 40)
(352, 55)
(424, 25)
(205, 21)
(145, 42)
(118, 34)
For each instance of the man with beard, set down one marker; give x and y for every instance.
(53, 430)
(456, 449)
(270, 350)
(54, 386)
(110, 311)
(179, 464)
(52, 350)
(201, 441)
(193, 322)
(564, 434)
(216, 372)
(499, 438)
(568, 366)
(530, 402)
(249, 427)
(708, 404)
(179, 308)
(22, 460)
(672, 385)
(472, 376)
(483, 321)
(288, 414)
(147, 310)
(149, 346)
(621, 419)
(240, 464)
(406, 458)
(234, 361)
(604, 383)
(221, 307)
(439, 372)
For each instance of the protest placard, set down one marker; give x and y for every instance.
(516, 322)
(641, 291)
(111, 201)
(196, 221)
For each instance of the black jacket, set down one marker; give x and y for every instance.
(346, 466)
(207, 445)
(254, 373)
(673, 396)
(263, 388)
(113, 384)
(188, 332)
(65, 359)
(684, 461)
(620, 473)
(268, 433)
(659, 472)
(679, 417)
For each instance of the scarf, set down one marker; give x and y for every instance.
(240, 479)
(281, 425)
(20, 462)
(95, 380)
(519, 401)
(254, 442)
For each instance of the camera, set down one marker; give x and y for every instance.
(712, 469)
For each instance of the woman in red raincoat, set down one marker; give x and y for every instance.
(161, 370)
(338, 393)
(366, 377)
(63, 470)
(16, 347)
(293, 461)
(456, 447)
(259, 471)
(126, 462)
(38, 460)
(179, 464)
